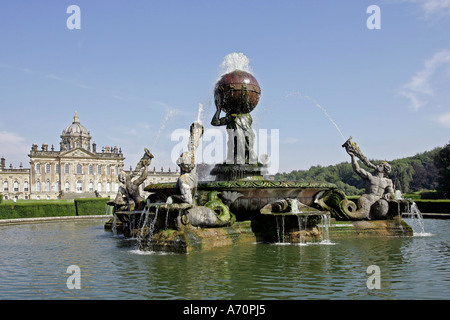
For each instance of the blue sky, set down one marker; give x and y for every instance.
(133, 63)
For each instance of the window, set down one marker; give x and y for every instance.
(5, 186)
(116, 187)
(25, 186)
(38, 186)
(108, 187)
(91, 187)
(47, 186)
(79, 186)
(66, 168)
(47, 168)
(108, 170)
(57, 168)
(99, 187)
(79, 169)
(117, 170)
(99, 169)
(91, 169)
(67, 186)
(58, 186)
(16, 186)
(38, 168)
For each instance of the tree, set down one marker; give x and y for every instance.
(442, 162)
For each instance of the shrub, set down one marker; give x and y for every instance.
(90, 206)
(36, 210)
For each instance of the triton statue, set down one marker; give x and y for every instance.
(373, 204)
(128, 195)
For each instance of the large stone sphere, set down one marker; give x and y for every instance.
(237, 92)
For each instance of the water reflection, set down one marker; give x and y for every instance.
(34, 260)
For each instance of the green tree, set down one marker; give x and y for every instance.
(442, 162)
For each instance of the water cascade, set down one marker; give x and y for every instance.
(324, 225)
(412, 211)
(417, 220)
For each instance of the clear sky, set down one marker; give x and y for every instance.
(135, 63)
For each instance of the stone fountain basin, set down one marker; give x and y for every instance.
(245, 198)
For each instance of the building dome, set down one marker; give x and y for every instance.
(75, 136)
(76, 128)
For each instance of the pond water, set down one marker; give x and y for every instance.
(34, 259)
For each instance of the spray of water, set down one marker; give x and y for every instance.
(169, 115)
(200, 113)
(325, 112)
(235, 61)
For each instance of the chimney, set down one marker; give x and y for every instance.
(3, 163)
(94, 147)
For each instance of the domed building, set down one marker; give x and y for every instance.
(76, 170)
(75, 136)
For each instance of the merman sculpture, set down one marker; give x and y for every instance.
(373, 204)
(128, 196)
(188, 180)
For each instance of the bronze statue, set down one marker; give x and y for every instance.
(237, 94)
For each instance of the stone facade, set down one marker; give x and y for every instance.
(76, 170)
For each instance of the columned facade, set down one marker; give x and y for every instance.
(76, 170)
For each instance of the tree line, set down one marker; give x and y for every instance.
(429, 170)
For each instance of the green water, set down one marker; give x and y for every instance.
(34, 259)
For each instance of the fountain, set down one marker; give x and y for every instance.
(240, 205)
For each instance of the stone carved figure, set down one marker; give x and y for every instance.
(373, 204)
(128, 195)
(187, 182)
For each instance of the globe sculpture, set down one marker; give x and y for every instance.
(237, 92)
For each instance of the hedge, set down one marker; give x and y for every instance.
(91, 206)
(52, 208)
(36, 210)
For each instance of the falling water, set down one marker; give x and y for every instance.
(144, 215)
(325, 223)
(302, 220)
(114, 225)
(280, 235)
(294, 206)
(415, 215)
(417, 221)
(152, 224)
(166, 225)
(278, 229)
